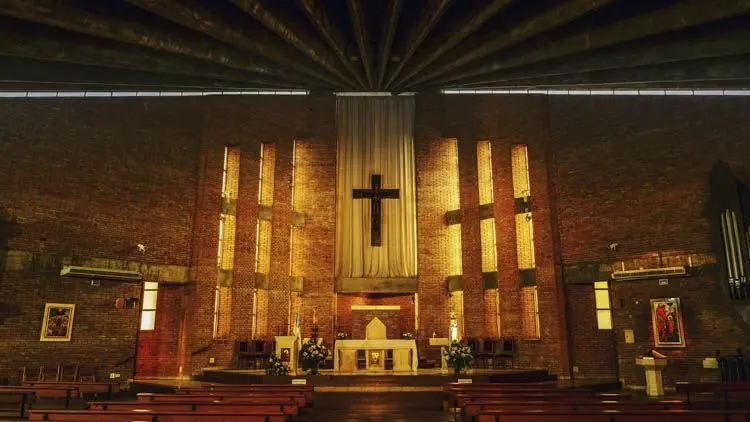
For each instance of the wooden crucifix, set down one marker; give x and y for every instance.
(375, 194)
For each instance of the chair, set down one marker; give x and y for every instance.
(505, 354)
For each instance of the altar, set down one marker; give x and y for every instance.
(372, 353)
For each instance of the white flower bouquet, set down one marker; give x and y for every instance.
(276, 367)
(458, 356)
(313, 355)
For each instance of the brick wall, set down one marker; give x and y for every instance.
(354, 322)
(634, 171)
(87, 179)
(154, 346)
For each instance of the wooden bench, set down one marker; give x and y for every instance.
(741, 389)
(306, 390)
(286, 406)
(451, 400)
(16, 398)
(724, 415)
(464, 399)
(83, 387)
(45, 391)
(472, 410)
(299, 399)
(153, 416)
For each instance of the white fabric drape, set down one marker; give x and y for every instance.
(375, 136)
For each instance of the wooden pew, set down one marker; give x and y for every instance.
(737, 390)
(153, 416)
(464, 399)
(286, 406)
(84, 387)
(454, 391)
(46, 391)
(299, 399)
(306, 390)
(723, 415)
(16, 398)
(474, 409)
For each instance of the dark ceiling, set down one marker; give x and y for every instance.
(373, 45)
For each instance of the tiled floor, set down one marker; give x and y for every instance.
(373, 406)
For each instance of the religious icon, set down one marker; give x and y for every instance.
(666, 321)
(374, 358)
(58, 322)
(285, 354)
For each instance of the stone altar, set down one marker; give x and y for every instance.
(375, 347)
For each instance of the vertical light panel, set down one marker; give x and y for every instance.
(266, 171)
(453, 202)
(148, 310)
(603, 307)
(530, 313)
(486, 198)
(227, 233)
(524, 222)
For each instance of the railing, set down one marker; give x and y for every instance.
(734, 368)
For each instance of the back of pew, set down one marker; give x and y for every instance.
(464, 399)
(472, 410)
(16, 398)
(727, 415)
(727, 391)
(306, 390)
(287, 407)
(228, 397)
(82, 386)
(153, 416)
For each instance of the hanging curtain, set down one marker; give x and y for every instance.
(375, 136)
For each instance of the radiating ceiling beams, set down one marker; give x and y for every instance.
(362, 35)
(390, 22)
(506, 37)
(21, 39)
(431, 14)
(57, 14)
(318, 17)
(284, 26)
(442, 43)
(677, 16)
(728, 42)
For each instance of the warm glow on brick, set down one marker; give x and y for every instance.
(489, 249)
(525, 241)
(453, 202)
(530, 313)
(603, 307)
(484, 166)
(456, 303)
(520, 166)
(222, 315)
(267, 168)
(227, 235)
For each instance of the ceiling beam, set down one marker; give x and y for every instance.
(671, 18)
(438, 46)
(390, 22)
(283, 25)
(716, 70)
(506, 37)
(431, 14)
(362, 35)
(195, 16)
(21, 39)
(112, 27)
(29, 72)
(727, 42)
(318, 17)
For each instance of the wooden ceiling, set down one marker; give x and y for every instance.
(373, 45)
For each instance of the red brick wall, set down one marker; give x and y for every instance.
(354, 322)
(634, 171)
(90, 178)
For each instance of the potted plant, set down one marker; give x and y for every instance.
(276, 367)
(407, 336)
(341, 336)
(458, 356)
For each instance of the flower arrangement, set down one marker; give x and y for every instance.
(313, 354)
(458, 356)
(341, 336)
(276, 367)
(407, 336)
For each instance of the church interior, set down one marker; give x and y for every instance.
(495, 206)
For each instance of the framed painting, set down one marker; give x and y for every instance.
(666, 322)
(58, 322)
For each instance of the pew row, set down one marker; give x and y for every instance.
(728, 391)
(724, 415)
(16, 399)
(300, 400)
(287, 407)
(306, 390)
(473, 410)
(84, 387)
(153, 416)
